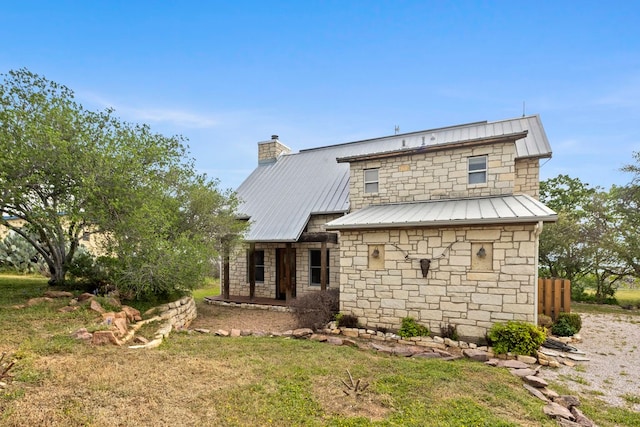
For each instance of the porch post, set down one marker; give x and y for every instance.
(252, 270)
(323, 266)
(287, 269)
(225, 274)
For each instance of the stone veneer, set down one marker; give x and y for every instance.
(433, 175)
(271, 150)
(458, 289)
(527, 177)
(239, 280)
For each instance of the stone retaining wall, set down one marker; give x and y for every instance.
(179, 313)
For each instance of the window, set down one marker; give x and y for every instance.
(371, 180)
(258, 257)
(315, 268)
(478, 170)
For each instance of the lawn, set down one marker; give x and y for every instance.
(197, 379)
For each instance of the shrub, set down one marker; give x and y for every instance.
(314, 310)
(562, 328)
(347, 320)
(574, 320)
(516, 337)
(411, 328)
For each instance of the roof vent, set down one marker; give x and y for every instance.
(274, 137)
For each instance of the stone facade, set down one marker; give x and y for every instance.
(457, 291)
(434, 175)
(238, 268)
(527, 177)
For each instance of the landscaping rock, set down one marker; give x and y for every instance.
(334, 340)
(141, 340)
(235, 332)
(132, 314)
(85, 297)
(529, 360)
(96, 306)
(39, 300)
(202, 330)
(428, 355)
(120, 325)
(302, 333)
(535, 381)
(522, 372)
(567, 401)
(581, 418)
(68, 309)
(104, 337)
(478, 355)
(516, 364)
(58, 294)
(82, 334)
(536, 392)
(350, 343)
(558, 411)
(222, 333)
(318, 338)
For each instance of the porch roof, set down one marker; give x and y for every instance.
(519, 208)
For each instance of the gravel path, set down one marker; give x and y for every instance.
(612, 343)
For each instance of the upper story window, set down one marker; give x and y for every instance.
(371, 180)
(477, 170)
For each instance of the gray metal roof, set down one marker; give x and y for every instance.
(279, 197)
(519, 208)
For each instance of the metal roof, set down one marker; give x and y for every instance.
(519, 208)
(279, 197)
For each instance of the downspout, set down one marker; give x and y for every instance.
(537, 230)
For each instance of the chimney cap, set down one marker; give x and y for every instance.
(274, 136)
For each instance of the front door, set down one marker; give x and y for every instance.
(285, 264)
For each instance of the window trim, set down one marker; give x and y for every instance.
(475, 172)
(370, 182)
(318, 267)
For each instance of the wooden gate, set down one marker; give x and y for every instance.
(554, 296)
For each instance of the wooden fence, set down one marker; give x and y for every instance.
(554, 296)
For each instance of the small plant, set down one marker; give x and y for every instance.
(562, 328)
(5, 367)
(516, 337)
(347, 320)
(449, 331)
(356, 388)
(574, 320)
(411, 328)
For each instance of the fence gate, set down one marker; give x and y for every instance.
(554, 296)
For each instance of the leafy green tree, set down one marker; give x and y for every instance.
(627, 209)
(562, 247)
(66, 170)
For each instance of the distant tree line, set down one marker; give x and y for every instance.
(596, 241)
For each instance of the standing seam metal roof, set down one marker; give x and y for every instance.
(279, 197)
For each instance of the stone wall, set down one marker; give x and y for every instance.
(270, 150)
(179, 313)
(239, 280)
(434, 175)
(460, 289)
(528, 177)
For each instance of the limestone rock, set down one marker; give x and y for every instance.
(96, 306)
(40, 300)
(222, 333)
(105, 337)
(334, 340)
(581, 418)
(202, 330)
(132, 314)
(141, 340)
(85, 296)
(121, 325)
(525, 372)
(516, 364)
(535, 381)
(235, 332)
(536, 392)
(567, 401)
(428, 355)
(82, 334)
(549, 393)
(302, 333)
(529, 360)
(558, 411)
(68, 309)
(319, 338)
(478, 355)
(350, 343)
(58, 294)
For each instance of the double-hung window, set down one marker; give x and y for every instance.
(315, 266)
(477, 168)
(371, 180)
(258, 257)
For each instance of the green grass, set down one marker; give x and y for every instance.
(201, 379)
(210, 289)
(628, 297)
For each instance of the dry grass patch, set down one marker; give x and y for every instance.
(329, 394)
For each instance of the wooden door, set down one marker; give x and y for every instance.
(285, 269)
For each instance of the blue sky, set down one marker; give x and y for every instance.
(229, 74)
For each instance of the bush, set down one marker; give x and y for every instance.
(314, 310)
(516, 337)
(567, 324)
(347, 320)
(449, 331)
(411, 328)
(544, 321)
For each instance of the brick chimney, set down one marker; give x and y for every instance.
(269, 151)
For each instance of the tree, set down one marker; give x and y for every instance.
(562, 248)
(627, 209)
(66, 170)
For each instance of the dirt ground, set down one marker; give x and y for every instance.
(214, 317)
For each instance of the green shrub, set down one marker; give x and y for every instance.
(574, 320)
(562, 328)
(516, 337)
(411, 328)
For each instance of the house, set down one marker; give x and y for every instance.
(441, 225)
